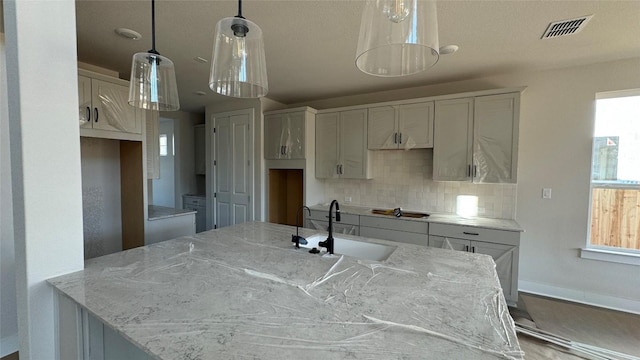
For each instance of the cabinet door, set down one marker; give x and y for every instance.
(506, 259)
(353, 144)
(294, 147)
(453, 137)
(273, 147)
(199, 134)
(495, 143)
(415, 126)
(153, 144)
(382, 128)
(85, 111)
(327, 145)
(442, 242)
(112, 110)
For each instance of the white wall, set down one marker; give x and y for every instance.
(184, 165)
(8, 307)
(164, 188)
(45, 161)
(556, 128)
(101, 202)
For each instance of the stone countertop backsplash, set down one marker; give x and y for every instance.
(487, 223)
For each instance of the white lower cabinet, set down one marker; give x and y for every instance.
(503, 246)
(319, 220)
(406, 231)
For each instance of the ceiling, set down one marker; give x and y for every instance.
(310, 45)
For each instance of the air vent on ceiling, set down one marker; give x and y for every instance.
(566, 27)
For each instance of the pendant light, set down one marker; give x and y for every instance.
(238, 68)
(153, 77)
(397, 37)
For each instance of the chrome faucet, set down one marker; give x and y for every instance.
(329, 242)
(297, 238)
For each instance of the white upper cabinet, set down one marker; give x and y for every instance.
(495, 141)
(407, 126)
(477, 139)
(104, 109)
(285, 134)
(453, 136)
(341, 145)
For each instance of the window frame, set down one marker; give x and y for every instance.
(602, 252)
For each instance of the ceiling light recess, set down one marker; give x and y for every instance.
(566, 27)
(128, 33)
(153, 77)
(238, 68)
(397, 37)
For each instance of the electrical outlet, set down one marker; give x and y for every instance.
(347, 199)
(546, 193)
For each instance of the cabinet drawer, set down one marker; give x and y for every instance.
(344, 218)
(192, 201)
(420, 227)
(394, 235)
(475, 233)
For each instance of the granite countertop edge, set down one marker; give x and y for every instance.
(157, 212)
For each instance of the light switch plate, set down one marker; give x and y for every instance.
(546, 193)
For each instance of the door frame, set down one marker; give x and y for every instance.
(212, 170)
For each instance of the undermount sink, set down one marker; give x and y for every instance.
(353, 248)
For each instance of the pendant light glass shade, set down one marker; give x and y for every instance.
(239, 68)
(398, 37)
(153, 78)
(153, 83)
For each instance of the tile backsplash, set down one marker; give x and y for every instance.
(404, 179)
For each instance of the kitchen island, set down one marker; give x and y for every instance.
(246, 292)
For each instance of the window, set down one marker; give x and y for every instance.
(615, 173)
(163, 144)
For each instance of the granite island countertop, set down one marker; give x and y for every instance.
(453, 219)
(245, 292)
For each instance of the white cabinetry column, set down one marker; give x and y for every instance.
(45, 155)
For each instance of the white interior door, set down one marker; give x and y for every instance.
(233, 168)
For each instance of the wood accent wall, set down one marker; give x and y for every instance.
(285, 195)
(131, 191)
(615, 217)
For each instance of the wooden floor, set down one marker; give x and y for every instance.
(13, 356)
(613, 330)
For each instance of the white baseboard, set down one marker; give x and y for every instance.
(582, 297)
(8, 345)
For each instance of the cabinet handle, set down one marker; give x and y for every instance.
(395, 138)
(473, 249)
(95, 110)
(88, 114)
(338, 169)
(400, 141)
(475, 171)
(466, 248)
(470, 233)
(468, 170)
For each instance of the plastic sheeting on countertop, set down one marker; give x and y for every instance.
(245, 292)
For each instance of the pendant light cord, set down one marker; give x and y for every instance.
(240, 10)
(153, 28)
